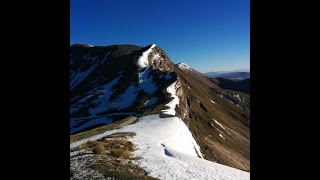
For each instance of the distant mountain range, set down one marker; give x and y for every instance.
(235, 75)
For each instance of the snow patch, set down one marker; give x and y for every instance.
(105, 57)
(141, 74)
(222, 136)
(145, 81)
(102, 102)
(127, 98)
(183, 66)
(219, 124)
(156, 57)
(79, 76)
(85, 98)
(143, 59)
(184, 114)
(238, 97)
(150, 102)
(230, 101)
(171, 132)
(172, 104)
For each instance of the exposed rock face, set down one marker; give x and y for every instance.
(158, 59)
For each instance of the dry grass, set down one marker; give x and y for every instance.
(118, 146)
(98, 149)
(121, 153)
(89, 144)
(120, 170)
(115, 145)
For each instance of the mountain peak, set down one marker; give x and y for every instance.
(143, 60)
(182, 65)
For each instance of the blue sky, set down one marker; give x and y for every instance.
(208, 35)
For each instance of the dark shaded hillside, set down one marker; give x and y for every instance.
(242, 86)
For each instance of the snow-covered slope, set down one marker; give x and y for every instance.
(169, 151)
(79, 76)
(115, 79)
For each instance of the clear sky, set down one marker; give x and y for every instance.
(208, 35)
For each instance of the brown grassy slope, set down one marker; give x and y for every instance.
(204, 79)
(233, 149)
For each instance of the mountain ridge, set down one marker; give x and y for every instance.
(112, 82)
